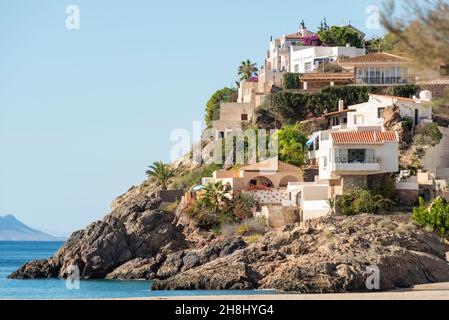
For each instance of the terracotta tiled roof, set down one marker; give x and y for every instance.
(364, 137)
(375, 58)
(294, 35)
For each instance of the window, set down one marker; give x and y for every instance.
(324, 162)
(221, 134)
(358, 119)
(296, 68)
(380, 112)
(308, 66)
(244, 117)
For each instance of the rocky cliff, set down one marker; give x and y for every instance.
(137, 240)
(328, 255)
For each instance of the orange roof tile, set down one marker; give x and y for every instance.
(364, 137)
(375, 58)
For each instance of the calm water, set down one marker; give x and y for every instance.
(14, 254)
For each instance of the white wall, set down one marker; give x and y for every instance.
(370, 115)
(300, 56)
(387, 152)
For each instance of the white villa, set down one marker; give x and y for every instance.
(278, 55)
(308, 59)
(371, 113)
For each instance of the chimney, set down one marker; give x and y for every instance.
(341, 105)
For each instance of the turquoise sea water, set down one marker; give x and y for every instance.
(14, 254)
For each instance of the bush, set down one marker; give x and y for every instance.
(435, 216)
(193, 177)
(428, 134)
(213, 104)
(362, 201)
(292, 145)
(243, 204)
(405, 91)
(295, 107)
(291, 80)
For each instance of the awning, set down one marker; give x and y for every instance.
(312, 139)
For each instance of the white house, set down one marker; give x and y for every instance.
(310, 197)
(308, 59)
(232, 117)
(278, 55)
(357, 153)
(371, 113)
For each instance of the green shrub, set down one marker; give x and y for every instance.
(243, 205)
(405, 91)
(362, 201)
(193, 177)
(428, 134)
(213, 104)
(291, 80)
(435, 216)
(292, 145)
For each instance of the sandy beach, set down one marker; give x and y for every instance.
(438, 291)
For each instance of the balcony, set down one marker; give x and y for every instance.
(382, 80)
(345, 164)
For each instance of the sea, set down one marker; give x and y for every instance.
(13, 254)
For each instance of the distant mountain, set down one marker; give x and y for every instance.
(12, 229)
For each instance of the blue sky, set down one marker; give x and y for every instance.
(82, 113)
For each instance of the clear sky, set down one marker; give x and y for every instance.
(83, 112)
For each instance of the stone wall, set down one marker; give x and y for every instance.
(352, 183)
(406, 197)
(270, 196)
(279, 216)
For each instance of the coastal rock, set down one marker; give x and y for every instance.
(37, 269)
(328, 255)
(165, 266)
(134, 229)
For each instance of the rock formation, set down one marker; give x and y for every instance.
(327, 255)
(134, 229)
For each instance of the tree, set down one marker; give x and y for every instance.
(340, 36)
(213, 104)
(387, 43)
(291, 80)
(292, 145)
(161, 173)
(216, 195)
(422, 35)
(247, 70)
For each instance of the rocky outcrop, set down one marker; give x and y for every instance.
(392, 117)
(328, 255)
(394, 122)
(165, 266)
(135, 229)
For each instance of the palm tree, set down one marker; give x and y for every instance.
(215, 195)
(160, 172)
(247, 70)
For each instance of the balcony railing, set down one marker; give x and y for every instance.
(346, 160)
(381, 80)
